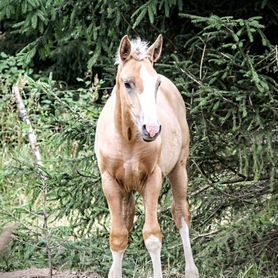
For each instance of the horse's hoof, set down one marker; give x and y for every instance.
(114, 274)
(192, 273)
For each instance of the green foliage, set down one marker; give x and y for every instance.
(151, 8)
(233, 96)
(65, 126)
(225, 67)
(232, 100)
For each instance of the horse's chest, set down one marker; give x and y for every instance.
(132, 175)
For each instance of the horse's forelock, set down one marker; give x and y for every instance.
(139, 50)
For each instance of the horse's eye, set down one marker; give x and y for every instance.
(128, 85)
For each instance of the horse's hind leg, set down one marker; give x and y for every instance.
(181, 215)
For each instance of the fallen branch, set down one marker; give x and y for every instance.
(209, 234)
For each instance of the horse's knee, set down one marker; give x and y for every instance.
(179, 211)
(152, 231)
(119, 239)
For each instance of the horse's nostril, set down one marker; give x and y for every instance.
(151, 130)
(145, 131)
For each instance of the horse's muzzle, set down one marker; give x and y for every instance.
(150, 135)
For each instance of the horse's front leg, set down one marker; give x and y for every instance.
(151, 231)
(119, 232)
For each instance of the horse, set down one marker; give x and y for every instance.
(141, 137)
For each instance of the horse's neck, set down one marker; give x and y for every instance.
(124, 121)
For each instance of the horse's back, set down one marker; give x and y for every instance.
(174, 98)
(175, 132)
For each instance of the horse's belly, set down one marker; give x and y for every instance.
(171, 145)
(170, 155)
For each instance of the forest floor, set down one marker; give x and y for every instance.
(44, 273)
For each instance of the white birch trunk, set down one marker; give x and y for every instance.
(38, 160)
(25, 118)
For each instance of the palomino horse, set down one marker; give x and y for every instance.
(142, 136)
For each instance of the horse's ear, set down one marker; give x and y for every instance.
(125, 48)
(155, 49)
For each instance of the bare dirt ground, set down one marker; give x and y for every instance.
(44, 273)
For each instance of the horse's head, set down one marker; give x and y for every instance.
(138, 83)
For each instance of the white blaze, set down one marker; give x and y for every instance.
(148, 102)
